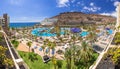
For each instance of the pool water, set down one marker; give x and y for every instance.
(44, 32)
(110, 31)
(84, 33)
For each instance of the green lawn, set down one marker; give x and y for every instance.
(38, 63)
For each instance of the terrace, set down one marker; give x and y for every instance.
(12, 53)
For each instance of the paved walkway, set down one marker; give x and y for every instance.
(102, 54)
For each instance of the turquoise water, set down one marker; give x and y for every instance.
(44, 32)
(110, 31)
(84, 33)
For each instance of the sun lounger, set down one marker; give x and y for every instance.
(46, 58)
(103, 43)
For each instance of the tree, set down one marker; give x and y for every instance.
(59, 64)
(68, 57)
(91, 37)
(116, 56)
(117, 38)
(73, 39)
(54, 61)
(85, 52)
(29, 43)
(49, 46)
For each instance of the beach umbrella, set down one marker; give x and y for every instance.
(53, 51)
(40, 49)
(75, 30)
(35, 47)
(107, 28)
(47, 50)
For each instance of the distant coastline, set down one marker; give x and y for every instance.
(22, 24)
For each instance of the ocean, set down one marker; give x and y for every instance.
(22, 24)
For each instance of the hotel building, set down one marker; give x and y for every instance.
(4, 21)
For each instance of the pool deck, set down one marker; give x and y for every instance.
(23, 47)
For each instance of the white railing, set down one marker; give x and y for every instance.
(16, 65)
(102, 54)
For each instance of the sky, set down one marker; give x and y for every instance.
(37, 10)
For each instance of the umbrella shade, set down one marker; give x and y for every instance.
(40, 49)
(47, 50)
(75, 30)
(53, 51)
(107, 28)
(35, 47)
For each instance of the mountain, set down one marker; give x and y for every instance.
(72, 18)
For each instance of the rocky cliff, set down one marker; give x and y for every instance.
(79, 17)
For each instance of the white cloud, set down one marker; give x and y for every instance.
(91, 4)
(63, 3)
(116, 3)
(91, 8)
(114, 14)
(27, 19)
(80, 3)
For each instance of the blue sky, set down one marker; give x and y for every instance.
(37, 10)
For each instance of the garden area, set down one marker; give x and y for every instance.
(111, 59)
(35, 61)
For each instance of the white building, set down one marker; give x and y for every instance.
(118, 15)
(48, 21)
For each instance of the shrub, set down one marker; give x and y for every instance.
(15, 43)
(60, 52)
(59, 64)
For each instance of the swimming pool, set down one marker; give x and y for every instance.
(110, 31)
(84, 33)
(44, 32)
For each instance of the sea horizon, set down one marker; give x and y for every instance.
(22, 24)
(25, 22)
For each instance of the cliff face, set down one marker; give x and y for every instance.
(79, 17)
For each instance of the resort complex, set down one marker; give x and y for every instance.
(70, 40)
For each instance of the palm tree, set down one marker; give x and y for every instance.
(54, 61)
(75, 57)
(92, 36)
(68, 57)
(73, 39)
(59, 64)
(49, 43)
(85, 52)
(29, 44)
